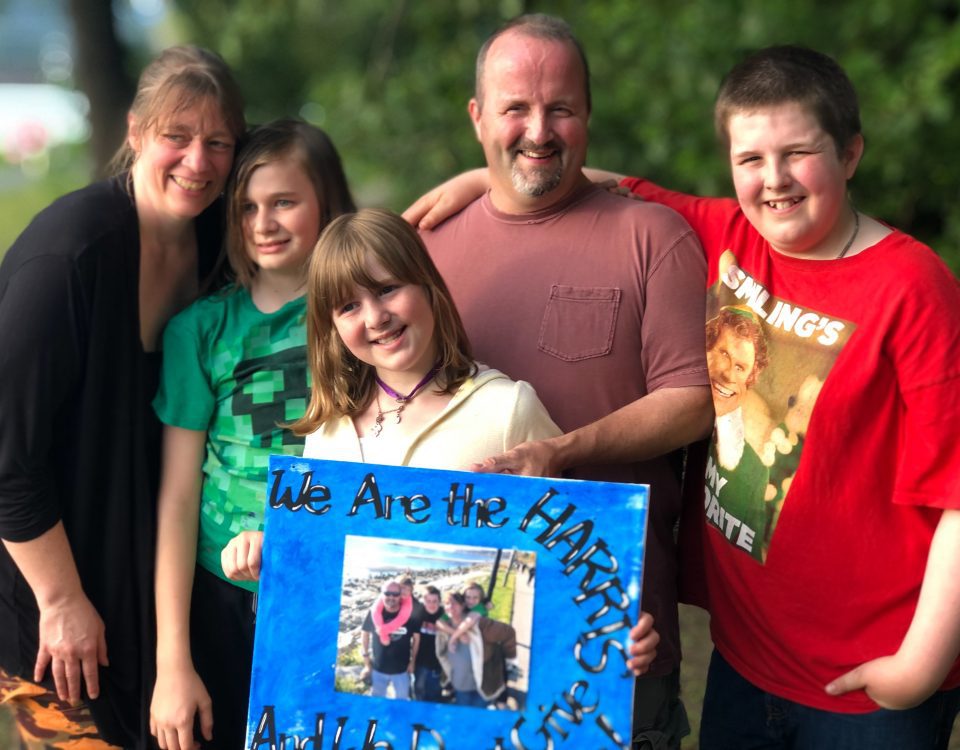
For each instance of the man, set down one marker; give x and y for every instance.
(427, 674)
(736, 477)
(390, 663)
(597, 301)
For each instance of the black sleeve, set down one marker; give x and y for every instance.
(368, 623)
(41, 304)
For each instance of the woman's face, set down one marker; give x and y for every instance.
(790, 181)
(182, 162)
(453, 607)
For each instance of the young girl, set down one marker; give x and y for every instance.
(393, 379)
(233, 372)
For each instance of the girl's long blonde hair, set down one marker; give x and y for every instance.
(342, 384)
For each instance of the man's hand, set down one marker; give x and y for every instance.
(178, 696)
(889, 681)
(242, 556)
(643, 646)
(73, 644)
(537, 458)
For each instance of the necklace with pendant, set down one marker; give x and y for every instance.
(401, 399)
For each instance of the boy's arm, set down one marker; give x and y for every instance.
(932, 642)
(459, 191)
(179, 694)
(448, 198)
(469, 620)
(602, 175)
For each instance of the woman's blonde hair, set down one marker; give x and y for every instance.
(180, 78)
(313, 151)
(342, 384)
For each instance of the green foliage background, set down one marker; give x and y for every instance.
(390, 81)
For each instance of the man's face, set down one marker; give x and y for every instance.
(730, 362)
(391, 598)
(532, 122)
(431, 603)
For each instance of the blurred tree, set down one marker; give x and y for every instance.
(101, 75)
(390, 81)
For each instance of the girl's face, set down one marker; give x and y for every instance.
(181, 163)
(281, 217)
(472, 596)
(389, 327)
(790, 181)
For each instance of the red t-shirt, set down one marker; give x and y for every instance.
(855, 420)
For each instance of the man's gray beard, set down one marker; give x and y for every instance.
(539, 182)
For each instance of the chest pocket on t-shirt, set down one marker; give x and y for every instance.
(579, 322)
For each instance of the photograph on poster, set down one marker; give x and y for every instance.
(403, 602)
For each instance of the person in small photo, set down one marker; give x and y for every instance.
(390, 664)
(427, 672)
(406, 583)
(476, 667)
(476, 599)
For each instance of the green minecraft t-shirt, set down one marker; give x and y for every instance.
(236, 373)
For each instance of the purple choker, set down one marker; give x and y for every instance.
(400, 398)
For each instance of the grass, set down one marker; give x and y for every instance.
(8, 731)
(695, 639)
(347, 685)
(352, 658)
(23, 194)
(503, 599)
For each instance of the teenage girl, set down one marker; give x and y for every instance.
(393, 378)
(234, 370)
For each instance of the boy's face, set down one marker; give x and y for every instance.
(790, 181)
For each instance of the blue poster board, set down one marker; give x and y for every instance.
(564, 559)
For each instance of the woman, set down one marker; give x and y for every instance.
(85, 292)
(475, 668)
